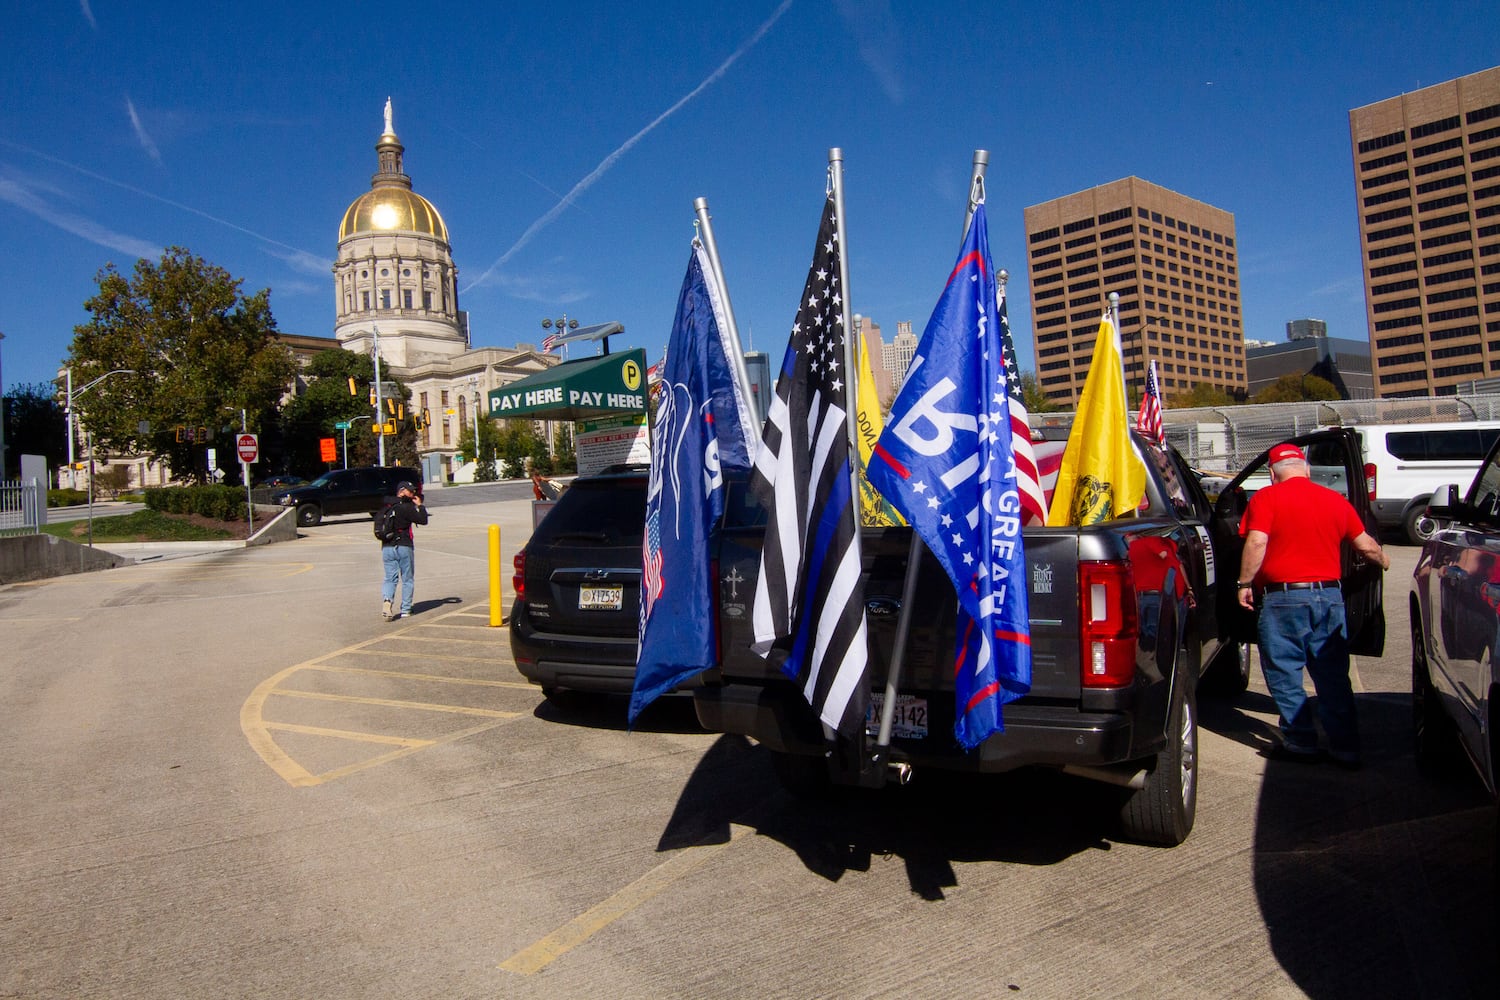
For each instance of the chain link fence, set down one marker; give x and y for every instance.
(1227, 438)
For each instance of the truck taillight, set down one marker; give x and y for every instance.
(1370, 479)
(1107, 612)
(518, 582)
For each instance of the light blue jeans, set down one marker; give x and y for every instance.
(400, 566)
(1305, 628)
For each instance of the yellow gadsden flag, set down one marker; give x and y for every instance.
(1101, 476)
(874, 509)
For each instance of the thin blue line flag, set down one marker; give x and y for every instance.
(703, 427)
(946, 461)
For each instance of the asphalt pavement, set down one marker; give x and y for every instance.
(223, 775)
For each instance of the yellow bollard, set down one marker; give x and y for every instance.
(497, 612)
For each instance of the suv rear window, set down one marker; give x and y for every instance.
(608, 511)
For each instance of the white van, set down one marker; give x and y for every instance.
(1406, 463)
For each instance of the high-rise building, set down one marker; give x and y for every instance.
(874, 346)
(1427, 172)
(1174, 262)
(898, 354)
(1306, 329)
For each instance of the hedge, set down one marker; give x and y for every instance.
(227, 503)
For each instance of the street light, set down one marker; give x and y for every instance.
(474, 384)
(345, 428)
(73, 473)
(562, 323)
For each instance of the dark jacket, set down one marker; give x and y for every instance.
(408, 513)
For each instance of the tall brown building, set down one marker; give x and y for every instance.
(1427, 165)
(1174, 263)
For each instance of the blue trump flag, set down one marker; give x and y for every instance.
(703, 427)
(946, 461)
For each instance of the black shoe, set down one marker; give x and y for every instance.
(1282, 752)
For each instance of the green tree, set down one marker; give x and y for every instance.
(34, 425)
(1034, 396)
(490, 436)
(199, 351)
(564, 457)
(1296, 388)
(327, 401)
(520, 441)
(1201, 394)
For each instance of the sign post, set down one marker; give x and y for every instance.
(248, 446)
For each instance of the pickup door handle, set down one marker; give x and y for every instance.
(883, 606)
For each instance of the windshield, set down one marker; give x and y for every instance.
(322, 480)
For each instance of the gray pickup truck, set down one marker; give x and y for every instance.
(1151, 597)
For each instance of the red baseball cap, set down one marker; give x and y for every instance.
(1282, 452)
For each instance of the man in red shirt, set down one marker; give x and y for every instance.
(1294, 532)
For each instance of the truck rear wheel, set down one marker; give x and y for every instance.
(1162, 812)
(1229, 674)
(1434, 743)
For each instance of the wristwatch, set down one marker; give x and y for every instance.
(1241, 586)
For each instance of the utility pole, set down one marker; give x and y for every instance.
(379, 399)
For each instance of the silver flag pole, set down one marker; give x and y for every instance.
(711, 248)
(914, 553)
(851, 414)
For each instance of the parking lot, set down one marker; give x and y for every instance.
(226, 776)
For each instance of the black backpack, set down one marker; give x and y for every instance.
(386, 529)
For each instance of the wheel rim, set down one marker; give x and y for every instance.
(1244, 654)
(1189, 754)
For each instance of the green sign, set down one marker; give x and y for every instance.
(577, 390)
(342, 425)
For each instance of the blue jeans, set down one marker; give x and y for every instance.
(400, 565)
(1305, 628)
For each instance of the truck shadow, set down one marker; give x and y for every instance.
(939, 819)
(1376, 882)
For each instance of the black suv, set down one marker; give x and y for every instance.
(578, 587)
(347, 491)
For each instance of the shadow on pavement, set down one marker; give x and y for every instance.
(941, 818)
(671, 714)
(1377, 882)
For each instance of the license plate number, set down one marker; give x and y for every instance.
(908, 722)
(600, 598)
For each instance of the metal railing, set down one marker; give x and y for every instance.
(21, 506)
(1227, 438)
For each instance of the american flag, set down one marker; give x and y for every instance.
(550, 343)
(1028, 473)
(651, 565)
(945, 459)
(808, 595)
(1148, 421)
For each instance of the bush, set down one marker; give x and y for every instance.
(227, 503)
(66, 498)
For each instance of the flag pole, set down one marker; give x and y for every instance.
(711, 248)
(851, 399)
(914, 552)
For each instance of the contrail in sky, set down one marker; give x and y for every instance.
(611, 159)
(88, 14)
(23, 198)
(302, 260)
(147, 143)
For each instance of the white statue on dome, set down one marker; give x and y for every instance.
(389, 130)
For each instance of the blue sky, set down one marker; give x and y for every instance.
(565, 143)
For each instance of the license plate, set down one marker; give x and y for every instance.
(908, 722)
(600, 598)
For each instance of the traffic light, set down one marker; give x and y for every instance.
(180, 433)
(353, 389)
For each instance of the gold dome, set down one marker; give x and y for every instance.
(392, 209)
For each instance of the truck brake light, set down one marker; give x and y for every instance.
(1107, 613)
(518, 582)
(1370, 479)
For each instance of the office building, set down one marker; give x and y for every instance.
(1427, 176)
(1174, 262)
(1306, 329)
(1344, 363)
(898, 354)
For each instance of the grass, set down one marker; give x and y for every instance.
(141, 526)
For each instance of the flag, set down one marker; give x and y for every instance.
(1028, 472)
(874, 509)
(549, 343)
(1148, 421)
(1101, 475)
(947, 463)
(808, 598)
(703, 429)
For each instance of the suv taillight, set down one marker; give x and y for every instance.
(1107, 615)
(1370, 479)
(518, 582)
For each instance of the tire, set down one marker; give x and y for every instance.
(1432, 736)
(1229, 674)
(309, 514)
(1418, 526)
(1163, 811)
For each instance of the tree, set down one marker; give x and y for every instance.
(520, 441)
(1034, 396)
(1297, 388)
(34, 425)
(564, 457)
(198, 350)
(484, 456)
(1201, 394)
(327, 401)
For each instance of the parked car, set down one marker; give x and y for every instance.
(281, 481)
(1455, 623)
(346, 491)
(1406, 463)
(577, 583)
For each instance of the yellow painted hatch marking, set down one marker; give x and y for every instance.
(570, 935)
(352, 699)
(347, 734)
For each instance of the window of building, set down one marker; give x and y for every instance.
(385, 298)
(365, 299)
(406, 297)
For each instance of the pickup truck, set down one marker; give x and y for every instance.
(1127, 618)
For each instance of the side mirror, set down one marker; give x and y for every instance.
(1444, 502)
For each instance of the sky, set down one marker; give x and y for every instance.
(565, 144)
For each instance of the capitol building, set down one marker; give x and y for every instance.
(396, 288)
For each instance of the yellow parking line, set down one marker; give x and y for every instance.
(346, 734)
(425, 706)
(403, 675)
(343, 772)
(433, 638)
(399, 654)
(578, 930)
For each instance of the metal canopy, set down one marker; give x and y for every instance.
(577, 390)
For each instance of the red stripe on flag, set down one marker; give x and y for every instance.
(1020, 637)
(985, 692)
(890, 460)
